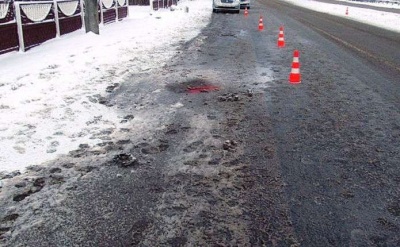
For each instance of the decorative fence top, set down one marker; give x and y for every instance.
(108, 3)
(36, 12)
(3, 10)
(6, 13)
(68, 8)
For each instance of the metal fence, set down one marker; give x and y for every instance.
(161, 4)
(24, 25)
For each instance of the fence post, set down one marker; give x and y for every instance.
(116, 10)
(19, 25)
(82, 14)
(127, 7)
(55, 9)
(101, 12)
(92, 16)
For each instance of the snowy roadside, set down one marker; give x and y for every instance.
(53, 97)
(391, 4)
(389, 21)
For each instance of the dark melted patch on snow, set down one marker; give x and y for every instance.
(192, 86)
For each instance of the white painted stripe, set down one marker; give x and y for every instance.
(295, 71)
(295, 60)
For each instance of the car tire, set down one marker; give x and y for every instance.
(237, 11)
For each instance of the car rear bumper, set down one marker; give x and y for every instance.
(244, 4)
(217, 5)
(227, 7)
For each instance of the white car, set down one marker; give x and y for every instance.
(245, 4)
(226, 5)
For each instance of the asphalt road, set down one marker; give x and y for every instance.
(259, 162)
(338, 133)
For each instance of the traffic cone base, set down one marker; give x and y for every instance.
(295, 78)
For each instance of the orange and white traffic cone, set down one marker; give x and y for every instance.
(281, 38)
(295, 77)
(260, 24)
(246, 12)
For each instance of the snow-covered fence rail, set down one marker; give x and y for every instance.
(26, 24)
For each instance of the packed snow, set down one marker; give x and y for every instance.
(386, 20)
(392, 4)
(49, 95)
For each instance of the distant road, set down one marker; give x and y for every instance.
(365, 6)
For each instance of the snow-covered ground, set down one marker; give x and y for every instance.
(49, 95)
(386, 20)
(392, 4)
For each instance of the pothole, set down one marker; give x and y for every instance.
(193, 86)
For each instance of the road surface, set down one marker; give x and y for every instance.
(259, 162)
